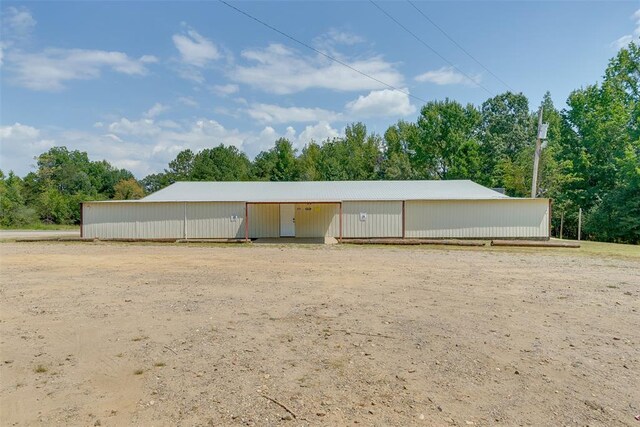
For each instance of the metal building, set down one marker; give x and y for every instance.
(340, 209)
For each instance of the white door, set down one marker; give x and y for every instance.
(287, 220)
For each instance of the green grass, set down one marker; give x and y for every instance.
(40, 226)
(138, 372)
(609, 249)
(587, 248)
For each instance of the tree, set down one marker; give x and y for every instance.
(128, 189)
(396, 163)
(447, 146)
(13, 210)
(357, 156)
(181, 168)
(277, 164)
(221, 163)
(155, 182)
(599, 150)
(308, 162)
(507, 127)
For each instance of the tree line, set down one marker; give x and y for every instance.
(592, 160)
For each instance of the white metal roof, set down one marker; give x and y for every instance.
(322, 191)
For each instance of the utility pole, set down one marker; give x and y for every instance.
(542, 134)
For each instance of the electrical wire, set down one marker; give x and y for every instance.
(471, 79)
(271, 27)
(459, 46)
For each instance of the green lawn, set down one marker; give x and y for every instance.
(606, 249)
(39, 226)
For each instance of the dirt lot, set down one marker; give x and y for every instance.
(135, 334)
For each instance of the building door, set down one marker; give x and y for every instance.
(287, 220)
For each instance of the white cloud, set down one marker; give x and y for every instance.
(195, 49)
(144, 145)
(156, 110)
(227, 89)
(188, 101)
(628, 38)
(278, 69)
(447, 76)
(20, 144)
(319, 133)
(142, 127)
(17, 22)
(269, 113)
(334, 37)
(343, 37)
(381, 103)
(50, 69)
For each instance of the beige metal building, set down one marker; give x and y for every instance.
(340, 209)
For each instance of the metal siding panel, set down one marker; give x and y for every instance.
(477, 219)
(213, 220)
(264, 220)
(109, 221)
(318, 221)
(384, 219)
(165, 221)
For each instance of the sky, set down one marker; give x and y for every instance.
(135, 83)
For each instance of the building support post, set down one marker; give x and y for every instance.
(550, 214)
(403, 220)
(184, 228)
(340, 239)
(81, 220)
(246, 221)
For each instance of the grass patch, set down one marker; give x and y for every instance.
(140, 338)
(617, 250)
(40, 369)
(138, 372)
(39, 226)
(159, 364)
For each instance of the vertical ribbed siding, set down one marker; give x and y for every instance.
(133, 220)
(213, 220)
(317, 220)
(384, 219)
(478, 218)
(264, 220)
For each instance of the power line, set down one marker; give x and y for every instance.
(471, 79)
(458, 44)
(320, 52)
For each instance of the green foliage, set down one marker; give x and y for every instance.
(447, 146)
(506, 128)
(220, 164)
(13, 211)
(397, 159)
(53, 192)
(277, 164)
(598, 152)
(128, 189)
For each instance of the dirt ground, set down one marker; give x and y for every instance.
(184, 335)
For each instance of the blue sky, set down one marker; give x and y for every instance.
(137, 82)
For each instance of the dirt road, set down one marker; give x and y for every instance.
(119, 334)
